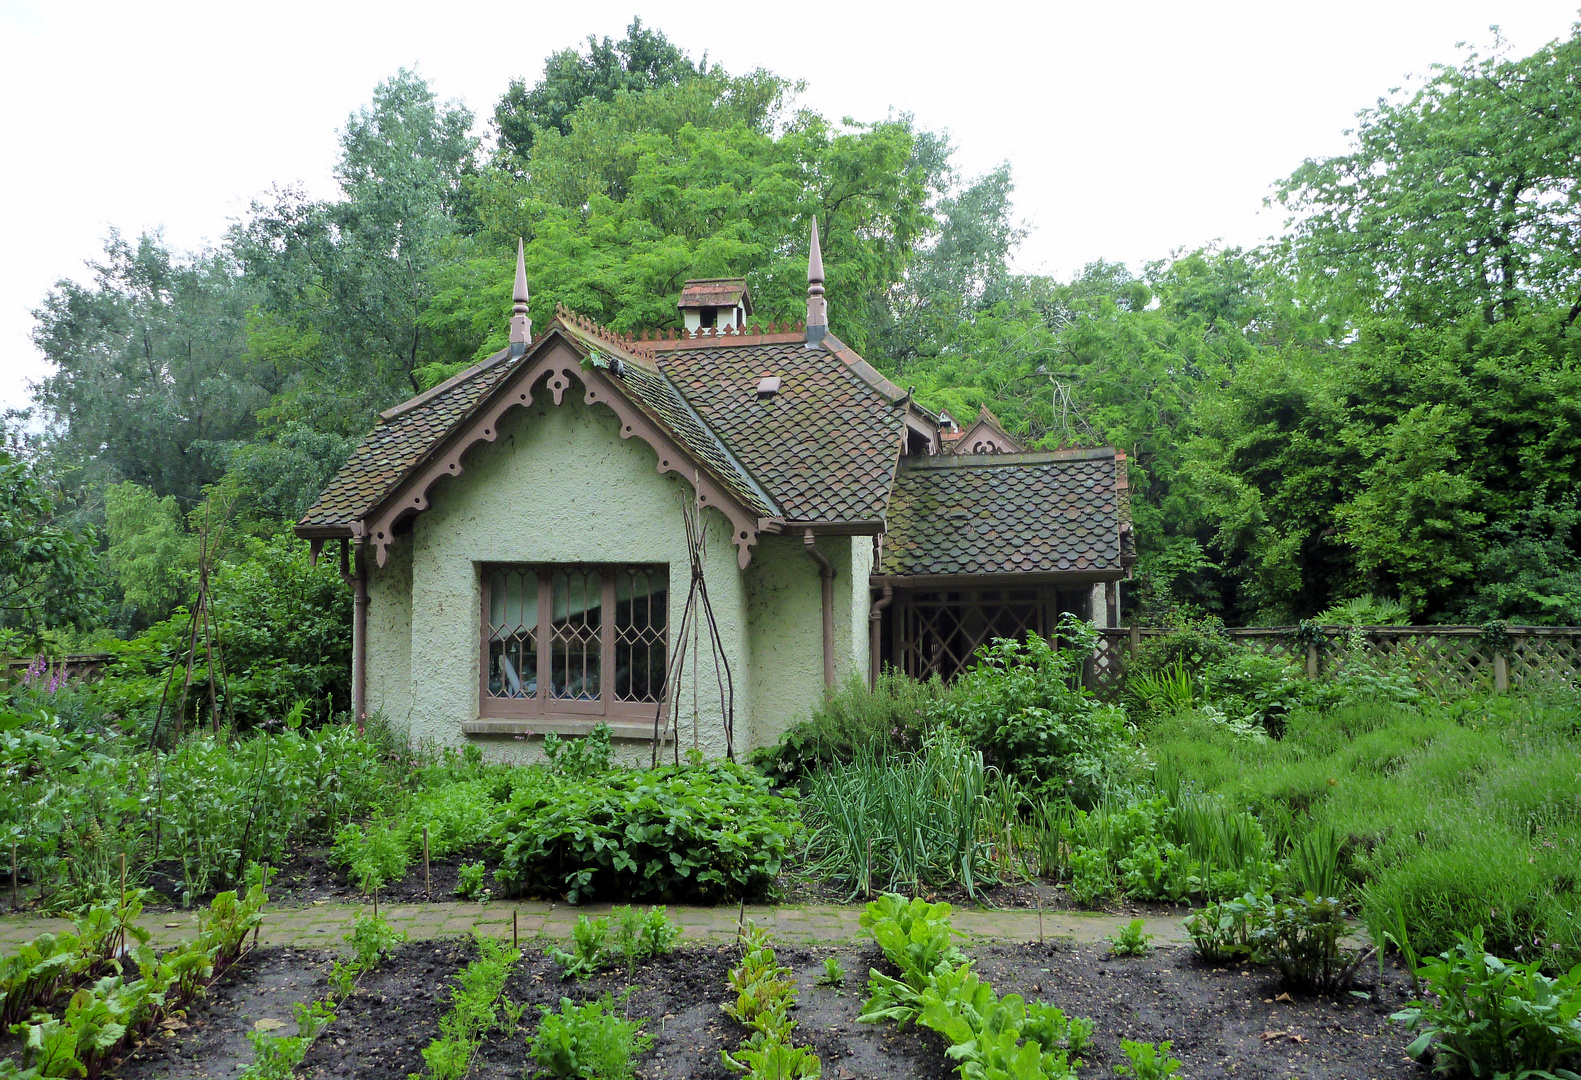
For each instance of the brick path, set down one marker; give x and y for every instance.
(321, 926)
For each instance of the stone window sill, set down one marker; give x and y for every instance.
(560, 725)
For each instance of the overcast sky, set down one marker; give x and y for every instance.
(1132, 128)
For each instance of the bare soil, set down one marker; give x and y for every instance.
(1224, 1022)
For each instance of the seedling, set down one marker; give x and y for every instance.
(833, 974)
(1130, 941)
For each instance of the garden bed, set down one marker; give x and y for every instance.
(1224, 1021)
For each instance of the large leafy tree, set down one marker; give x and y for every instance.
(1462, 197)
(643, 60)
(48, 573)
(345, 283)
(151, 367)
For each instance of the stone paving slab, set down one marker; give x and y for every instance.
(323, 925)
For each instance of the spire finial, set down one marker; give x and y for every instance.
(817, 309)
(521, 325)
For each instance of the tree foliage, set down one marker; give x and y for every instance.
(48, 576)
(1382, 402)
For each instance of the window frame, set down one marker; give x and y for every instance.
(568, 714)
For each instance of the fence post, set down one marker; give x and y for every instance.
(1501, 673)
(1136, 638)
(1312, 661)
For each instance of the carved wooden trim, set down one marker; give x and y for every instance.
(558, 368)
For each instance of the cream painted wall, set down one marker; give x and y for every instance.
(785, 625)
(390, 634)
(557, 485)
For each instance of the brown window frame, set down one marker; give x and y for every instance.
(541, 706)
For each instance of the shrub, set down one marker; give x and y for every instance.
(586, 1042)
(1301, 937)
(689, 833)
(1222, 930)
(1488, 1018)
(1023, 706)
(891, 717)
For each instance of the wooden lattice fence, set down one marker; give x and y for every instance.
(1447, 658)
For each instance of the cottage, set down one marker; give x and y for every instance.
(526, 541)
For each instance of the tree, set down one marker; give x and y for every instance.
(1463, 197)
(345, 284)
(48, 575)
(643, 60)
(149, 551)
(647, 190)
(151, 365)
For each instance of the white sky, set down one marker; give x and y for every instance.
(1132, 128)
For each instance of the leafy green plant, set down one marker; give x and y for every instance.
(1222, 930)
(1169, 690)
(473, 1011)
(833, 973)
(1022, 706)
(275, 1057)
(1130, 941)
(1486, 1017)
(589, 950)
(915, 936)
(373, 857)
(1302, 938)
(469, 880)
(685, 833)
(586, 1042)
(770, 1059)
(643, 935)
(581, 758)
(373, 940)
(1148, 1061)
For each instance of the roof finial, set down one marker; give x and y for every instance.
(521, 325)
(817, 310)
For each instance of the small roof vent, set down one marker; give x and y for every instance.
(768, 386)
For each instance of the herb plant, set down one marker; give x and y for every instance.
(586, 1042)
(1147, 1061)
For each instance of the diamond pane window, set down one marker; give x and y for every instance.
(641, 622)
(573, 643)
(513, 634)
(576, 660)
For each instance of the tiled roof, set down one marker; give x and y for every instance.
(1009, 513)
(824, 446)
(715, 292)
(400, 441)
(655, 394)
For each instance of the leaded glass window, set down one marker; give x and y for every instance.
(574, 640)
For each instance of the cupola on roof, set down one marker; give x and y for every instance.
(715, 302)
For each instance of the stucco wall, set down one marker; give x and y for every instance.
(785, 625)
(390, 634)
(557, 485)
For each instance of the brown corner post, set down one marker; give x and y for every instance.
(826, 573)
(1501, 673)
(1135, 638)
(875, 635)
(1312, 661)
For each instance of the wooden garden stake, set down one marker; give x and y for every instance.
(123, 879)
(514, 942)
(13, 875)
(428, 884)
